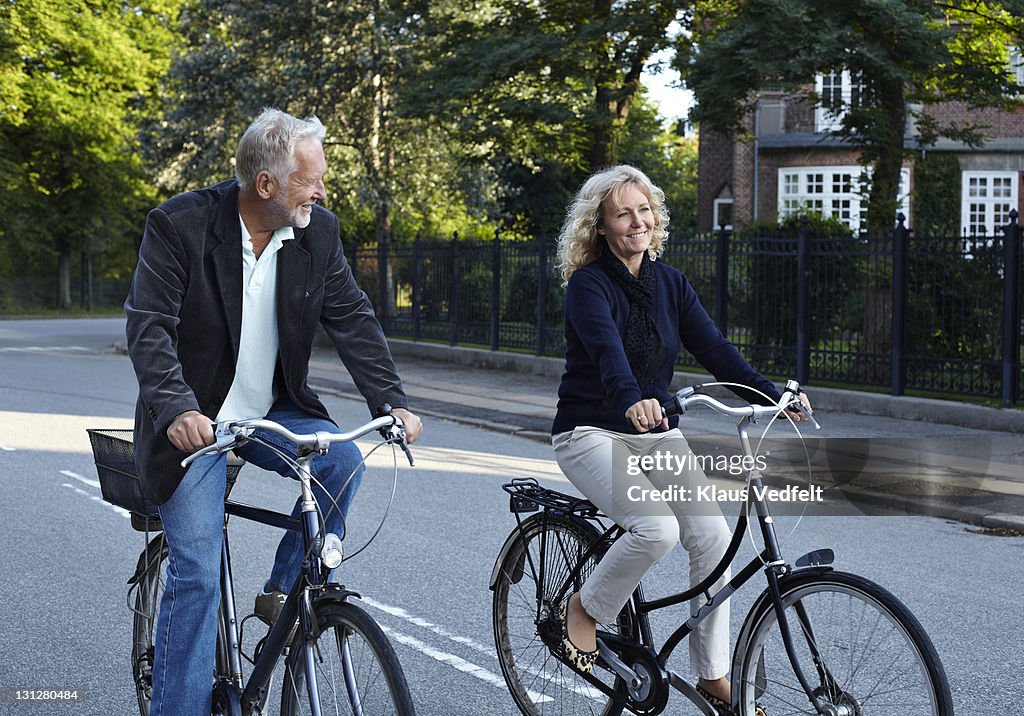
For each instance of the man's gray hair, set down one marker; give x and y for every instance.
(269, 145)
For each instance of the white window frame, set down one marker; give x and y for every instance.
(986, 199)
(1017, 65)
(833, 191)
(826, 118)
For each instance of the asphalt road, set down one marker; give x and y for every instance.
(67, 555)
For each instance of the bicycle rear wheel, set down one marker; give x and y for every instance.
(148, 584)
(357, 670)
(858, 646)
(525, 611)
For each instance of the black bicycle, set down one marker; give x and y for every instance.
(337, 660)
(816, 641)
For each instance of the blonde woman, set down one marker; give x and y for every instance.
(626, 318)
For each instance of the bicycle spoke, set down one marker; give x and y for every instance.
(869, 651)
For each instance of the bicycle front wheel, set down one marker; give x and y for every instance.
(356, 668)
(526, 594)
(860, 650)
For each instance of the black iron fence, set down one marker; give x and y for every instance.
(900, 312)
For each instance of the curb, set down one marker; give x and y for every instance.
(931, 507)
(928, 410)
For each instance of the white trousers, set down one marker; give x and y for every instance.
(609, 469)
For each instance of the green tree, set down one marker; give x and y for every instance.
(541, 94)
(75, 77)
(669, 158)
(346, 63)
(907, 54)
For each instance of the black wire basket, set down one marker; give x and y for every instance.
(120, 485)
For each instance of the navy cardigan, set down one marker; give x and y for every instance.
(598, 386)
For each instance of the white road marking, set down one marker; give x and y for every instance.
(40, 349)
(423, 623)
(581, 688)
(4, 448)
(456, 662)
(97, 498)
(76, 476)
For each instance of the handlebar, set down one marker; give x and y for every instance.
(690, 396)
(230, 434)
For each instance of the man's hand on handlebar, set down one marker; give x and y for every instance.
(412, 424)
(190, 431)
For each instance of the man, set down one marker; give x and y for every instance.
(231, 283)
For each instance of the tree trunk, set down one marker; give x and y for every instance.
(63, 276)
(874, 362)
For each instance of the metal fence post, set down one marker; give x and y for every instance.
(542, 294)
(1011, 311)
(496, 290)
(803, 302)
(900, 294)
(453, 296)
(722, 280)
(417, 285)
(383, 297)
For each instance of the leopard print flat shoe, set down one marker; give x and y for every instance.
(723, 708)
(582, 661)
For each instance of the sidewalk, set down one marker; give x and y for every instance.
(904, 458)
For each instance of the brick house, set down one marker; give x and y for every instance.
(792, 163)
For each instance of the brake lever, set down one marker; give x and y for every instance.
(806, 412)
(395, 433)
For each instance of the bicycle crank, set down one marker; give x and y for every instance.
(645, 680)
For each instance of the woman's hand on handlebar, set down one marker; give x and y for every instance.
(645, 415)
(412, 424)
(190, 431)
(795, 413)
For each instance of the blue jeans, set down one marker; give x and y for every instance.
(193, 519)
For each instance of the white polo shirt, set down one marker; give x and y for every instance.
(252, 391)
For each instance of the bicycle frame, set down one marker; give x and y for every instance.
(769, 559)
(298, 604)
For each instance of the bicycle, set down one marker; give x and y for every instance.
(337, 659)
(816, 640)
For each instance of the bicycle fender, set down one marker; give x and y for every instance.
(529, 527)
(764, 602)
(334, 594)
(154, 553)
(505, 549)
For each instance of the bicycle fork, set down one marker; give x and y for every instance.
(775, 566)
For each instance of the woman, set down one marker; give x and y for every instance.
(626, 316)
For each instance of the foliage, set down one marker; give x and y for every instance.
(555, 79)
(907, 53)
(766, 297)
(345, 62)
(937, 195)
(668, 158)
(75, 78)
(540, 94)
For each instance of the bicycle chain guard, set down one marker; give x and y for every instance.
(650, 696)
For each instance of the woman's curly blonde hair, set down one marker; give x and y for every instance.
(578, 243)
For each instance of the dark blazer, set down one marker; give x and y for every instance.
(185, 315)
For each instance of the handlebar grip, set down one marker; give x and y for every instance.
(674, 405)
(671, 407)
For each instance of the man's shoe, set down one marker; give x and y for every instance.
(268, 606)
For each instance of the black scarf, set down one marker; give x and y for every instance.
(642, 342)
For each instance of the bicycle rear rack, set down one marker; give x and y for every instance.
(527, 495)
